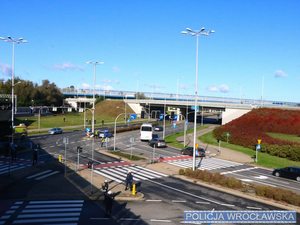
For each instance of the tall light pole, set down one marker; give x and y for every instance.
(14, 42)
(202, 31)
(94, 63)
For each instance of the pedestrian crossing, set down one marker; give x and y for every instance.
(118, 174)
(64, 212)
(7, 166)
(206, 164)
(42, 175)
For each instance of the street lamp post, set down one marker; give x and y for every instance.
(14, 42)
(115, 129)
(202, 31)
(94, 63)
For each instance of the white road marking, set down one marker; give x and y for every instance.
(224, 204)
(178, 201)
(153, 200)
(161, 221)
(56, 201)
(38, 174)
(45, 220)
(198, 202)
(240, 170)
(48, 215)
(47, 175)
(184, 192)
(261, 177)
(250, 207)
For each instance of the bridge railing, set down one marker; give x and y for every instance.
(178, 97)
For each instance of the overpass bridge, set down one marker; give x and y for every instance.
(225, 109)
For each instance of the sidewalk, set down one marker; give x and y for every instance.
(213, 151)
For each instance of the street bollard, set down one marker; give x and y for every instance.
(133, 189)
(60, 158)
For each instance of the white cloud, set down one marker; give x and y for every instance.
(85, 85)
(280, 73)
(223, 88)
(213, 88)
(5, 69)
(67, 66)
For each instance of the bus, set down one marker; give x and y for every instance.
(146, 132)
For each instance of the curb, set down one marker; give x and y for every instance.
(240, 194)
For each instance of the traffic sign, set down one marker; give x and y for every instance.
(258, 141)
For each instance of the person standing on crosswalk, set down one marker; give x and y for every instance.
(129, 180)
(35, 155)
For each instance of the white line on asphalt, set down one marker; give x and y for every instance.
(178, 201)
(108, 176)
(56, 201)
(198, 202)
(53, 206)
(250, 207)
(51, 210)
(224, 204)
(47, 175)
(38, 174)
(48, 215)
(153, 200)
(240, 170)
(45, 220)
(162, 221)
(184, 192)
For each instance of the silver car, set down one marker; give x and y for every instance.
(55, 130)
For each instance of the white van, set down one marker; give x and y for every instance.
(146, 132)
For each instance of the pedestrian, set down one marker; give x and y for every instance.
(105, 186)
(34, 156)
(129, 180)
(102, 141)
(108, 201)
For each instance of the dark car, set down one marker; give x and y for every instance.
(55, 130)
(200, 152)
(290, 172)
(157, 142)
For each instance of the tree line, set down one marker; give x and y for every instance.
(32, 94)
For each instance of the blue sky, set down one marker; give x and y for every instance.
(142, 48)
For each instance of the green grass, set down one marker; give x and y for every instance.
(71, 119)
(127, 156)
(286, 137)
(171, 139)
(264, 159)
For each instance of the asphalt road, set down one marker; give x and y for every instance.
(53, 146)
(166, 198)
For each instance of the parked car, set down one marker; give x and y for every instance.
(55, 130)
(291, 172)
(157, 142)
(158, 128)
(200, 152)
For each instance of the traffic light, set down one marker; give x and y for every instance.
(79, 149)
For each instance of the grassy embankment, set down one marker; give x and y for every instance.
(264, 159)
(106, 110)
